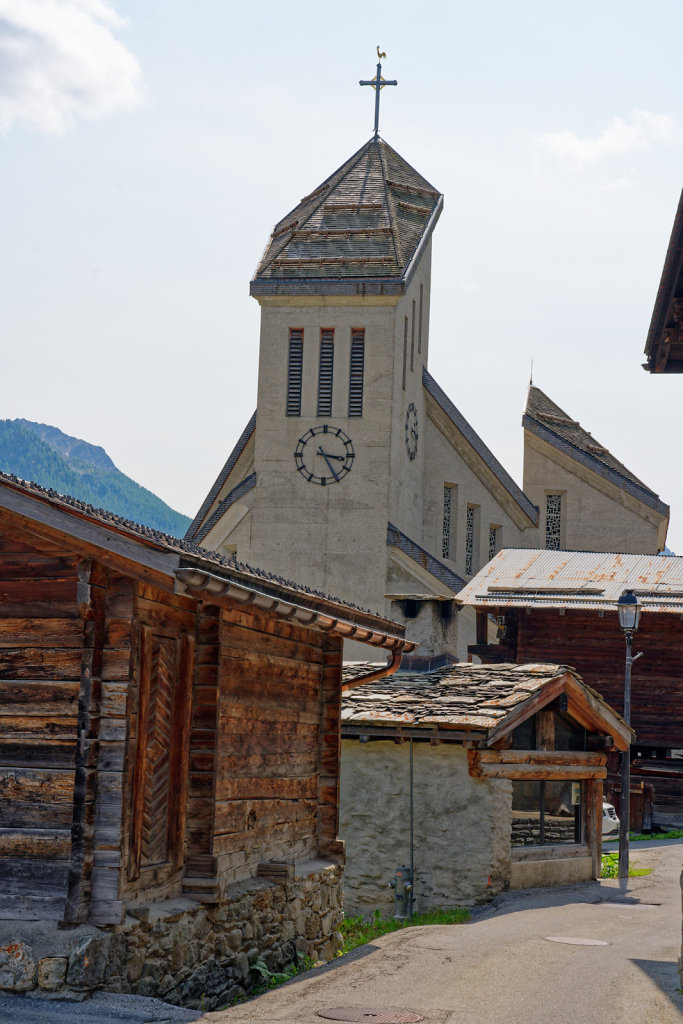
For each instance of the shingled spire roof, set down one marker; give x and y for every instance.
(360, 232)
(545, 419)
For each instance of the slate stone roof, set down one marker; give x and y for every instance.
(474, 697)
(194, 555)
(194, 527)
(366, 222)
(484, 452)
(547, 421)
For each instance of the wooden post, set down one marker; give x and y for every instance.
(140, 768)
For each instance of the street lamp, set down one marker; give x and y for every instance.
(629, 609)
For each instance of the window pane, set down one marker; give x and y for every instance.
(562, 812)
(526, 814)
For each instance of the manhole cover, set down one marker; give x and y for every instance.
(576, 942)
(371, 1014)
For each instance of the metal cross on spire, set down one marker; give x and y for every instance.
(378, 84)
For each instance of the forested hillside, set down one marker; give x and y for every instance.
(44, 454)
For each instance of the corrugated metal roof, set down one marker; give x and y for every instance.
(576, 579)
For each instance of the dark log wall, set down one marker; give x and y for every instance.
(595, 647)
(276, 727)
(41, 655)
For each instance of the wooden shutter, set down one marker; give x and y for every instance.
(325, 373)
(295, 369)
(356, 373)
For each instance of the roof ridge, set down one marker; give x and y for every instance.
(225, 472)
(393, 219)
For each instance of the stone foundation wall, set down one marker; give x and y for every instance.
(190, 954)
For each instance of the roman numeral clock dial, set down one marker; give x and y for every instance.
(324, 455)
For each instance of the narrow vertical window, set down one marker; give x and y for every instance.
(356, 372)
(553, 521)
(412, 340)
(419, 324)
(295, 368)
(325, 372)
(471, 540)
(448, 521)
(493, 541)
(405, 349)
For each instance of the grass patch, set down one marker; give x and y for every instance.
(357, 932)
(642, 837)
(610, 867)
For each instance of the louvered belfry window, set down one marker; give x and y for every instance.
(325, 372)
(295, 368)
(356, 373)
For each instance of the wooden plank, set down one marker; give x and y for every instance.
(266, 842)
(31, 751)
(552, 757)
(236, 638)
(261, 622)
(182, 709)
(545, 730)
(40, 663)
(113, 702)
(572, 773)
(525, 710)
(140, 764)
(164, 619)
(38, 728)
(31, 908)
(255, 666)
(275, 764)
(36, 797)
(266, 788)
(38, 697)
(35, 877)
(40, 844)
(246, 815)
(41, 598)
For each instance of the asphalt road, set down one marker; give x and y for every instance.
(501, 968)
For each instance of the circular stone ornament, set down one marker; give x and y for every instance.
(371, 1015)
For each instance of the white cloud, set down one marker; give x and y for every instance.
(469, 286)
(620, 136)
(59, 59)
(617, 185)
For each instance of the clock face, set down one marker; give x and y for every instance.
(411, 431)
(324, 455)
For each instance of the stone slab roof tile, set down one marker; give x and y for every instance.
(366, 221)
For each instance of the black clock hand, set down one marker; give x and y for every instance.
(329, 464)
(328, 455)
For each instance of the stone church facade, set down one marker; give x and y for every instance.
(358, 473)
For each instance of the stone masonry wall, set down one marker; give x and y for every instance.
(190, 954)
(461, 826)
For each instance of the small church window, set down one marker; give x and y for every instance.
(412, 340)
(325, 372)
(493, 541)
(471, 539)
(448, 527)
(553, 521)
(405, 349)
(295, 368)
(419, 323)
(356, 372)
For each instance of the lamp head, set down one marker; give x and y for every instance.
(629, 608)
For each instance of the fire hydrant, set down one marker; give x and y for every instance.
(402, 884)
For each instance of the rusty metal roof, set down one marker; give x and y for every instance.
(576, 579)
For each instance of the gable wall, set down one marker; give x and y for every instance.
(596, 515)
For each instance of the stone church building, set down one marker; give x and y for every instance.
(357, 472)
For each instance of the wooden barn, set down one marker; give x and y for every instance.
(169, 752)
(561, 606)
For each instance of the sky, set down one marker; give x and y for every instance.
(148, 147)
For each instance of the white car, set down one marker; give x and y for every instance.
(610, 821)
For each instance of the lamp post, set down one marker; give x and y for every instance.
(629, 609)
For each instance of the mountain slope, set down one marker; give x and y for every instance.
(36, 451)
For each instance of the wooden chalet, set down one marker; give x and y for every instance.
(169, 719)
(486, 777)
(561, 605)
